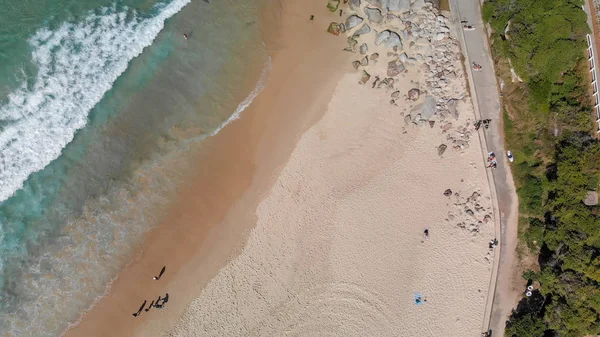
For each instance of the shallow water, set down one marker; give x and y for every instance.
(95, 132)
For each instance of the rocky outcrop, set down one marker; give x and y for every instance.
(353, 21)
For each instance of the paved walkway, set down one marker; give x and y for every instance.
(485, 94)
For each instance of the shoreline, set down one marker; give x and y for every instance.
(231, 173)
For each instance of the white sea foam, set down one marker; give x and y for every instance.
(77, 64)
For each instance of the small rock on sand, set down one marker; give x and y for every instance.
(374, 56)
(364, 49)
(441, 149)
(431, 124)
(365, 77)
(356, 64)
(396, 94)
(448, 192)
(364, 62)
(413, 94)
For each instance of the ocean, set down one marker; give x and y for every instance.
(102, 106)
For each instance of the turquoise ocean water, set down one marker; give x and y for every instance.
(101, 102)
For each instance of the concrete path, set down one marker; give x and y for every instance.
(485, 94)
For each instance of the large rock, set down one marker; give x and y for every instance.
(382, 36)
(353, 21)
(428, 108)
(395, 67)
(376, 3)
(373, 14)
(362, 30)
(401, 6)
(591, 198)
(354, 4)
(333, 5)
(392, 41)
(334, 29)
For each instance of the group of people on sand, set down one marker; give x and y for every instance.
(485, 122)
(158, 303)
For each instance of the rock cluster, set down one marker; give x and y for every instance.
(471, 213)
(417, 37)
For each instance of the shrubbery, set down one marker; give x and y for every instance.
(546, 46)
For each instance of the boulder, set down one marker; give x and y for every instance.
(393, 41)
(440, 36)
(591, 198)
(428, 108)
(354, 4)
(413, 94)
(356, 64)
(395, 67)
(417, 5)
(376, 3)
(396, 94)
(374, 56)
(365, 77)
(374, 15)
(362, 30)
(334, 29)
(352, 42)
(364, 62)
(333, 5)
(448, 192)
(353, 21)
(364, 49)
(451, 104)
(384, 35)
(403, 57)
(401, 6)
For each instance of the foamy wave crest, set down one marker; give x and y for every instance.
(77, 64)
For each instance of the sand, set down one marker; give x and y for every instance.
(337, 248)
(306, 215)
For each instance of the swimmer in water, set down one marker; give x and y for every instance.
(185, 36)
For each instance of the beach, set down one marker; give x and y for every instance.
(306, 216)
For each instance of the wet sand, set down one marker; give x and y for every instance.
(213, 215)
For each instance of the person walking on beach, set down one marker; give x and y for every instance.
(162, 271)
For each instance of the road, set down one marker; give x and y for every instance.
(485, 94)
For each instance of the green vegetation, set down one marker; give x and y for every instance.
(548, 123)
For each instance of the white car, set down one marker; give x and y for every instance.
(510, 156)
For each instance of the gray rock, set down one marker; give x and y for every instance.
(362, 30)
(395, 67)
(475, 196)
(376, 3)
(487, 218)
(396, 94)
(384, 35)
(428, 107)
(440, 36)
(451, 104)
(407, 119)
(441, 149)
(365, 77)
(401, 6)
(591, 198)
(403, 57)
(364, 62)
(413, 94)
(354, 4)
(418, 4)
(374, 14)
(353, 21)
(393, 41)
(364, 49)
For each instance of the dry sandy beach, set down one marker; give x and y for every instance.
(306, 216)
(337, 248)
